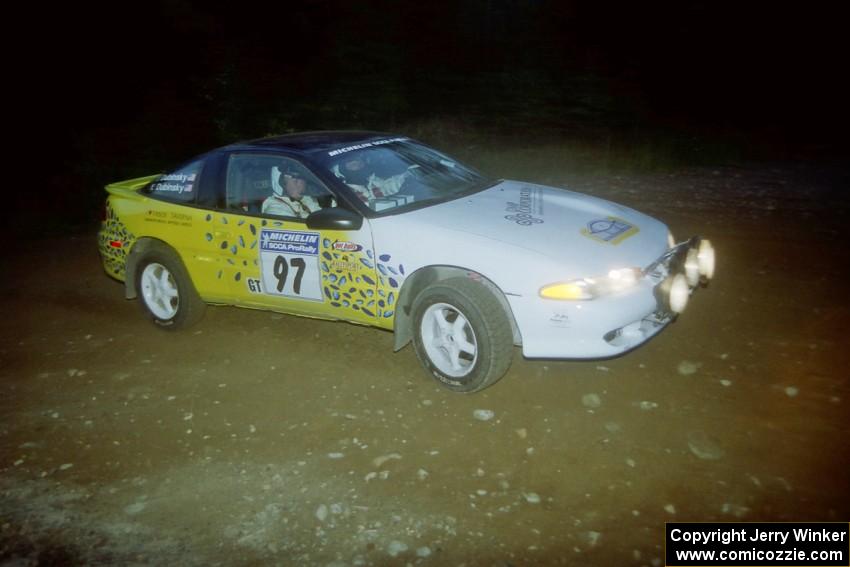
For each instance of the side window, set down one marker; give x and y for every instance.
(248, 183)
(179, 186)
(274, 186)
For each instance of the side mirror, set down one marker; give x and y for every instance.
(335, 218)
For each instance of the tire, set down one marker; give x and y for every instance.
(166, 292)
(462, 335)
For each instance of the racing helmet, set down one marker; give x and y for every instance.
(277, 184)
(278, 174)
(353, 168)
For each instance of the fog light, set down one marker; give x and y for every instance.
(679, 293)
(705, 259)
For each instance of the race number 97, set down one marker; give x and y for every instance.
(291, 275)
(281, 272)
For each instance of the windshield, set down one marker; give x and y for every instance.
(393, 173)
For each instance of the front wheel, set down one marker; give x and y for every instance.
(462, 335)
(166, 291)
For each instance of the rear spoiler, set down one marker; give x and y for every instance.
(130, 185)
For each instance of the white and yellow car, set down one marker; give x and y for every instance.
(384, 231)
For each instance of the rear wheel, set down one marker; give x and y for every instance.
(462, 335)
(166, 291)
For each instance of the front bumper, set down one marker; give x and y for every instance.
(610, 325)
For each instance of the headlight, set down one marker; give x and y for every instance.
(705, 259)
(590, 288)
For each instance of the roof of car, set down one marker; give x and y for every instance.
(309, 142)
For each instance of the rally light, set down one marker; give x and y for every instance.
(692, 267)
(705, 259)
(679, 293)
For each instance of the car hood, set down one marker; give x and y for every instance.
(587, 234)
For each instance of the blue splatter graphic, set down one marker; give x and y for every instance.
(208, 237)
(368, 280)
(384, 257)
(393, 283)
(367, 312)
(366, 263)
(388, 314)
(391, 298)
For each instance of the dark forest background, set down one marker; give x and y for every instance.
(126, 89)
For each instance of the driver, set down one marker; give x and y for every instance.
(354, 171)
(289, 199)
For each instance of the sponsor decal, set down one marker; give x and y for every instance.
(172, 218)
(344, 246)
(289, 264)
(174, 183)
(530, 204)
(364, 145)
(290, 242)
(611, 230)
(342, 265)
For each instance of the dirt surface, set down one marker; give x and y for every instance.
(260, 438)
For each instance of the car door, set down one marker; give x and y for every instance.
(274, 261)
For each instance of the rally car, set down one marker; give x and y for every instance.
(382, 230)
